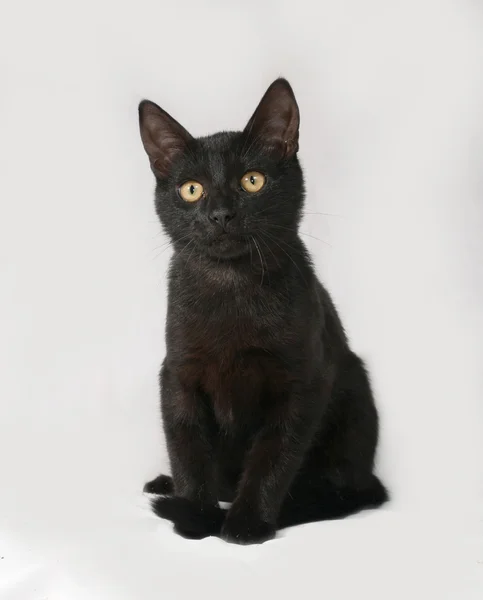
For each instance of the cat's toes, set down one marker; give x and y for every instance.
(163, 484)
(190, 520)
(246, 529)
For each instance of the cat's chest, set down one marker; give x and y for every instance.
(226, 323)
(234, 388)
(232, 364)
(227, 345)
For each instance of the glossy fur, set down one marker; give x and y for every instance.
(264, 405)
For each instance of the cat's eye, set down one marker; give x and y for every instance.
(253, 181)
(191, 191)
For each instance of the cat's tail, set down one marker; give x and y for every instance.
(329, 502)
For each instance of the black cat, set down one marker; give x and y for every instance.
(264, 404)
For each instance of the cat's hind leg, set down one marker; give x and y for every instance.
(325, 500)
(337, 479)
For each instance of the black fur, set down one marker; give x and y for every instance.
(264, 404)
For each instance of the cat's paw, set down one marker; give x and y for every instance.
(246, 529)
(162, 485)
(190, 519)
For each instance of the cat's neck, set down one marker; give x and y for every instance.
(262, 267)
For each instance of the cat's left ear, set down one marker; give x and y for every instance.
(164, 139)
(275, 123)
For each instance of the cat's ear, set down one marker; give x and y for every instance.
(164, 139)
(275, 123)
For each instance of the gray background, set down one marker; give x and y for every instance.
(391, 97)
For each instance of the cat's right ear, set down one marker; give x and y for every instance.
(164, 139)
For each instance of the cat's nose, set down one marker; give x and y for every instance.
(222, 216)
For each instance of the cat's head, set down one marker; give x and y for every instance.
(223, 194)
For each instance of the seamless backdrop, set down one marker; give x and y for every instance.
(391, 97)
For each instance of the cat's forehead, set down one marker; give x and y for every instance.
(217, 154)
(219, 148)
(222, 141)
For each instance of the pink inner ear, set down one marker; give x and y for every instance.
(275, 123)
(164, 139)
(169, 148)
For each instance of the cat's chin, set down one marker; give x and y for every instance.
(227, 248)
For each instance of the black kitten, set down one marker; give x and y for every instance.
(264, 404)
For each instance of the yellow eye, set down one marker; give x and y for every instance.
(191, 191)
(253, 181)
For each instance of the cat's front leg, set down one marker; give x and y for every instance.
(270, 467)
(193, 508)
(188, 438)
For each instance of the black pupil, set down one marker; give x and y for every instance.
(252, 179)
(192, 189)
